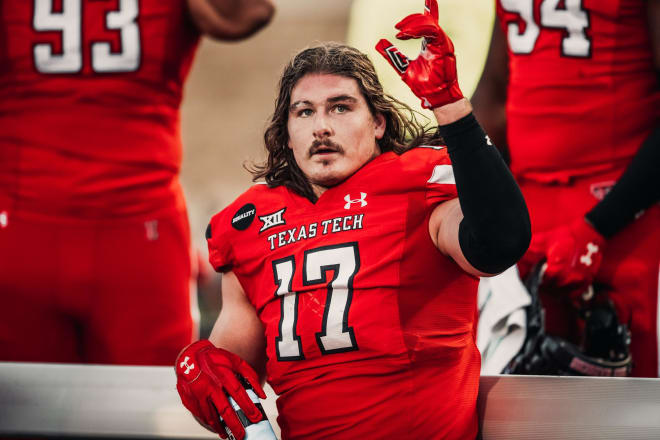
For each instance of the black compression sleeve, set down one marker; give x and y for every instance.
(636, 190)
(495, 231)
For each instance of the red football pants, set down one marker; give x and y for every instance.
(114, 292)
(630, 267)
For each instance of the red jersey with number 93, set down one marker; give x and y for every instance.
(583, 94)
(89, 97)
(369, 328)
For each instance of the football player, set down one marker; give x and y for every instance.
(350, 276)
(570, 90)
(95, 261)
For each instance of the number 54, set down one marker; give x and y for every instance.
(574, 19)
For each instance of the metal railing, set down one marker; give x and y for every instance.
(101, 401)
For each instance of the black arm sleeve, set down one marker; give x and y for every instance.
(495, 231)
(635, 191)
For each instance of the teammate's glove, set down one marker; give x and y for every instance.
(432, 75)
(205, 376)
(574, 254)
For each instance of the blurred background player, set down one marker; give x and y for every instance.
(353, 270)
(570, 90)
(96, 261)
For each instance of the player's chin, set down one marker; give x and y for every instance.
(328, 180)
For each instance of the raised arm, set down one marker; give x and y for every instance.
(487, 229)
(231, 19)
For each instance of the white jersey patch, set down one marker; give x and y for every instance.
(443, 174)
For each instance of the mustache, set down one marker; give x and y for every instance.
(324, 144)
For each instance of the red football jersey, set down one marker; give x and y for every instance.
(369, 328)
(89, 99)
(583, 92)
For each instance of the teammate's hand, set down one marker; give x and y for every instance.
(432, 75)
(205, 376)
(574, 253)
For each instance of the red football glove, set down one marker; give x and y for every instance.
(574, 254)
(205, 376)
(432, 75)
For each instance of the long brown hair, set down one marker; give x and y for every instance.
(402, 130)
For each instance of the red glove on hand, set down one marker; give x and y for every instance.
(432, 75)
(205, 376)
(574, 254)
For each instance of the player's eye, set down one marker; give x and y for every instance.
(341, 108)
(305, 112)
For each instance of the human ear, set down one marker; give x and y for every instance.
(379, 126)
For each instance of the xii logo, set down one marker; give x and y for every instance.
(272, 220)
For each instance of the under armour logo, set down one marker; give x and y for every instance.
(187, 366)
(362, 200)
(271, 220)
(399, 60)
(4, 219)
(488, 141)
(586, 258)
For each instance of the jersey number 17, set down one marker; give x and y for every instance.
(336, 336)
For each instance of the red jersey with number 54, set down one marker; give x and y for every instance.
(89, 98)
(369, 328)
(583, 93)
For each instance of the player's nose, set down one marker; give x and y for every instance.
(322, 127)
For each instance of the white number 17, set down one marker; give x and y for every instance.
(336, 336)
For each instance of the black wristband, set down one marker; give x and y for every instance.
(495, 231)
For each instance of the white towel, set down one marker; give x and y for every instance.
(502, 319)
